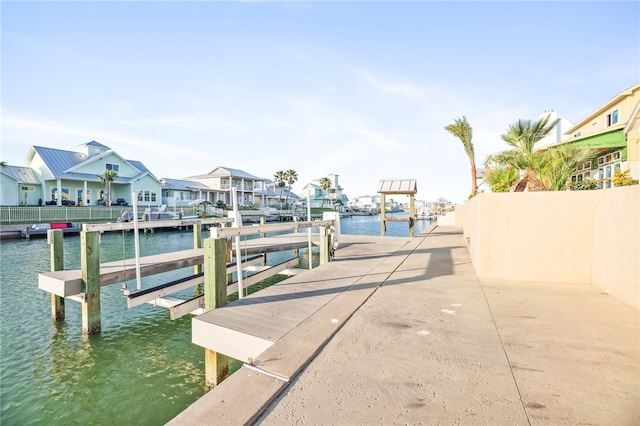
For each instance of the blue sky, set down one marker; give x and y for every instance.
(359, 89)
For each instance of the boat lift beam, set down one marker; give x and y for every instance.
(196, 305)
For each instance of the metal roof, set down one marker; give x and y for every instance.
(228, 171)
(59, 161)
(95, 144)
(397, 186)
(184, 185)
(21, 174)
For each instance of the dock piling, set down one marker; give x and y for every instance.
(90, 264)
(215, 295)
(54, 236)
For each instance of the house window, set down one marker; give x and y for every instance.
(54, 193)
(612, 118)
(577, 135)
(148, 196)
(114, 167)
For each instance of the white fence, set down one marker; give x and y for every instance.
(16, 214)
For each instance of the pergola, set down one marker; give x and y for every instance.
(398, 187)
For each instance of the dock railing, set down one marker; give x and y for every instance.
(44, 214)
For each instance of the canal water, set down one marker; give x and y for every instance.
(141, 369)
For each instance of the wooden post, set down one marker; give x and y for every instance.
(216, 365)
(263, 221)
(324, 245)
(197, 243)
(383, 210)
(90, 264)
(412, 216)
(54, 236)
(296, 252)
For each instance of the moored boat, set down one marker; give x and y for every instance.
(40, 229)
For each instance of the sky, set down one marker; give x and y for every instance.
(358, 89)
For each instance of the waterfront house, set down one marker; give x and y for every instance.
(612, 131)
(333, 197)
(275, 195)
(181, 193)
(250, 189)
(365, 203)
(73, 177)
(19, 186)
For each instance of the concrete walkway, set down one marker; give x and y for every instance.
(435, 346)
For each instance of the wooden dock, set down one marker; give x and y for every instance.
(67, 283)
(246, 328)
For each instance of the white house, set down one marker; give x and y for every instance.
(73, 177)
(333, 197)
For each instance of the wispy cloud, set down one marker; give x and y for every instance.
(388, 87)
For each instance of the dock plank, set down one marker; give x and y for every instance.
(271, 314)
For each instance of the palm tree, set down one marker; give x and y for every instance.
(325, 183)
(463, 131)
(107, 177)
(3, 163)
(280, 179)
(522, 137)
(292, 177)
(500, 179)
(559, 163)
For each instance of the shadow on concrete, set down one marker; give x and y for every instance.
(440, 264)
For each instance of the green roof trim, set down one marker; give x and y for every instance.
(615, 139)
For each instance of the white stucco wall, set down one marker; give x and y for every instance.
(557, 237)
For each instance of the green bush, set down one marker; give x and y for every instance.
(583, 185)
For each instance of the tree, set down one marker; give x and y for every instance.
(500, 179)
(522, 137)
(558, 164)
(3, 163)
(292, 177)
(623, 178)
(463, 131)
(107, 177)
(325, 183)
(280, 179)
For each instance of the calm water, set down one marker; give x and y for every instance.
(141, 369)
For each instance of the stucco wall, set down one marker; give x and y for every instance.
(558, 237)
(616, 247)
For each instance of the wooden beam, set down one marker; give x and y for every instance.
(140, 297)
(90, 264)
(55, 236)
(215, 295)
(259, 229)
(188, 306)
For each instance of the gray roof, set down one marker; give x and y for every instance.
(397, 186)
(184, 185)
(59, 161)
(21, 174)
(234, 173)
(95, 144)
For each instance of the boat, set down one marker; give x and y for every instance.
(160, 214)
(40, 229)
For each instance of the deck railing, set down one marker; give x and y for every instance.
(17, 214)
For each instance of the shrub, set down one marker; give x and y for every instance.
(622, 178)
(583, 185)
